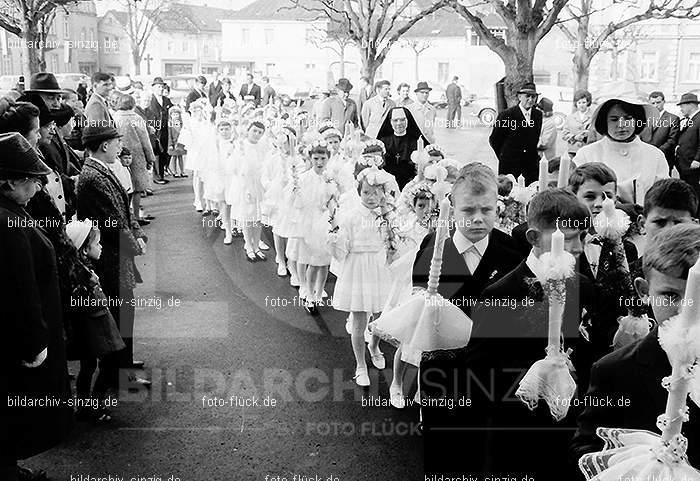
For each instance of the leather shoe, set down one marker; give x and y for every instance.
(137, 365)
(26, 474)
(137, 382)
(143, 222)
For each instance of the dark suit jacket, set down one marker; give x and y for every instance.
(515, 143)
(454, 94)
(193, 96)
(157, 116)
(499, 433)
(62, 159)
(351, 113)
(664, 135)
(689, 146)
(102, 199)
(215, 89)
(254, 91)
(520, 240)
(631, 373)
(222, 97)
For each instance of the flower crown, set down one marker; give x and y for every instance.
(374, 146)
(419, 188)
(435, 148)
(331, 132)
(375, 176)
(316, 144)
(435, 172)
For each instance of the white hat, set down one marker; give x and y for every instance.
(78, 231)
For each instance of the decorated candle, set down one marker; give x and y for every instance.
(544, 174)
(440, 237)
(557, 242)
(564, 165)
(609, 207)
(521, 181)
(421, 145)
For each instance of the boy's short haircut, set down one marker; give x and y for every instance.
(98, 77)
(124, 152)
(478, 177)
(257, 124)
(675, 194)
(597, 171)
(552, 205)
(382, 83)
(671, 249)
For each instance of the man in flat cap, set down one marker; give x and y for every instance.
(102, 198)
(33, 357)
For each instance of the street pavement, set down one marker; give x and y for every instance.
(223, 340)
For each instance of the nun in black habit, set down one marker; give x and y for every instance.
(400, 133)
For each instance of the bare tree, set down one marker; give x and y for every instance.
(30, 20)
(589, 41)
(527, 23)
(418, 46)
(373, 25)
(336, 38)
(143, 17)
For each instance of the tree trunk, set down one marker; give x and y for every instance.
(518, 64)
(342, 61)
(582, 65)
(136, 59)
(31, 60)
(369, 66)
(416, 67)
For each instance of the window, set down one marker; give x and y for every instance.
(270, 69)
(309, 36)
(66, 27)
(52, 27)
(647, 67)
(171, 46)
(91, 34)
(443, 72)
(115, 45)
(185, 46)
(246, 36)
(475, 40)
(694, 67)
(269, 34)
(82, 35)
(107, 44)
(54, 63)
(310, 66)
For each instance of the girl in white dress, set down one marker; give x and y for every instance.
(224, 155)
(363, 283)
(196, 134)
(275, 179)
(215, 170)
(420, 203)
(247, 191)
(316, 191)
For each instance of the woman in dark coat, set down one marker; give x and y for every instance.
(33, 358)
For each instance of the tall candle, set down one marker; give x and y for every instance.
(558, 242)
(609, 207)
(680, 387)
(521, 181)
(544, 174)
(421, 145)
(564, 165)
(440, 237)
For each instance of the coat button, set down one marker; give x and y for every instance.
(60, 197)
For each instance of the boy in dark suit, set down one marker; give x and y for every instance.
(499, 435)
(631, 376)
(593, 183)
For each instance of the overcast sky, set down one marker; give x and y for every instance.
(104, 5)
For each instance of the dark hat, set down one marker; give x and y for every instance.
(545, 105)
(528, 88)
(344, 85)
(45, 83)
(422, 86)
(157, 81)
(35, 99)
(95, 133)
(688, 99)
(19, 159)
(202, 79)
(62, 115)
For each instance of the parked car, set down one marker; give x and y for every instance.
(8, 82)
(71, 80)
(563, 98)
(180, 86)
